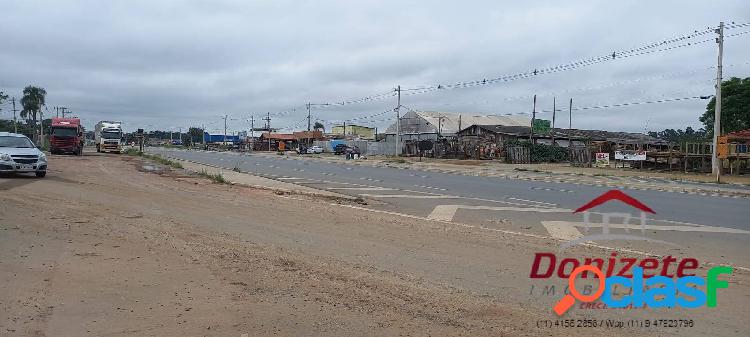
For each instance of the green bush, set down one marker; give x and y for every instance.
(542, 153)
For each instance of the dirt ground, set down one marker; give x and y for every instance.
(102, 247)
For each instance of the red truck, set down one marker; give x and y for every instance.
(66, 136)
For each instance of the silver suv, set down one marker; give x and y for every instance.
(19, 155)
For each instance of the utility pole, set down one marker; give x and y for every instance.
(225, 129)
(570, 114)
(533, 118)
(41, 126)
(440, 125)
(268, 122)
(268, 127)
(15, 126)
(459, 122)
(715, 161)
(62, 110)
(554, 109)
(308, 125)
(398, 122)
(308, 116)
(252, 128)
(252, 132)
(203, 134)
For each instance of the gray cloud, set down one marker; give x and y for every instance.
(163, 64)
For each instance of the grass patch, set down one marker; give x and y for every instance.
(396, 160)
(132, 152)
(215, 177)
(156, 158)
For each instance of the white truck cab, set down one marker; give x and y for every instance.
(108, 137)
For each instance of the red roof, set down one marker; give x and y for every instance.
(615, 195)
(742, 135)
(278, 136)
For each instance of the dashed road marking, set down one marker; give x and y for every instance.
(408, 196)
(552, 189)
(431, 188)
(373, 188)
(447, 212)
(532, 201)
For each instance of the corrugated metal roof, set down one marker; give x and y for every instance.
(448, 122)
(610, 136)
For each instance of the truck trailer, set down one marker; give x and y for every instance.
(66, 136)
(108, 137)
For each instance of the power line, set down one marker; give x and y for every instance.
(643, 50)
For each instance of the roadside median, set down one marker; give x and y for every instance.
(247, 179)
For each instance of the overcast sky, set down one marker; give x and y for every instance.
(171, 64)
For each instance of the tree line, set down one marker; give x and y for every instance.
(735, 114)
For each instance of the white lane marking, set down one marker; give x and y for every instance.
(431, 188)
(374, 188)
(407, 196)
(532, 201)
(290, 178)
(551, 189)
(530, 235)
(566, 229)
(447, 212)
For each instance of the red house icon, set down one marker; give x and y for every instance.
(615, 195)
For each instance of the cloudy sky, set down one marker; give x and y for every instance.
(171, 64)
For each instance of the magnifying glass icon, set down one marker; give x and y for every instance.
(568, 300)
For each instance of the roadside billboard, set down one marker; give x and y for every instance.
(602, 159)
(630, 155)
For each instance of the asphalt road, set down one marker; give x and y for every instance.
(492, 202)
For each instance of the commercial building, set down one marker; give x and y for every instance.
(354, 131)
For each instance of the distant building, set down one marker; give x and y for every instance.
(430, 125)
(356, 131)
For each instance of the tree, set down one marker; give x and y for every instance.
(735, 107)
(195, 134)
(679, 136)
(32, 101)
(319, 126)
(3, 97)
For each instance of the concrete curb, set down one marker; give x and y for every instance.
(250, 180)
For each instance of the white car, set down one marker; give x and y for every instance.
(18, 154)
(314, 149)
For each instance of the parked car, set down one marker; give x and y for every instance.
(340, 148)
(18, 154)
(314, 149)
(301, 149)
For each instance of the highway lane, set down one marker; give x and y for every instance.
(511, 205)
(354, 179)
